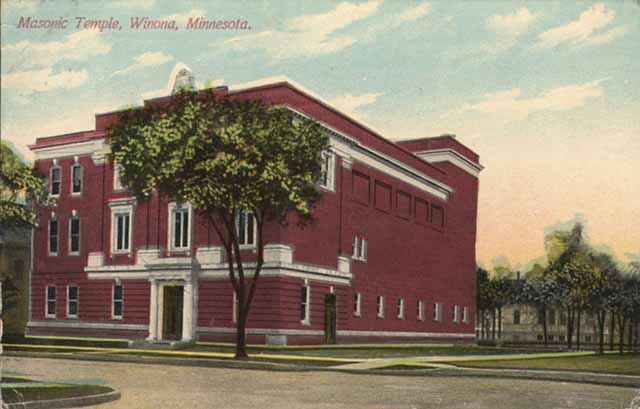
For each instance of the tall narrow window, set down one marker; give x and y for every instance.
(437, 312)
(180, 228)
(327, 170)
(74, 235)
(465, 315)
(357, 300)
(122, 232)
(51, 302)
(305, 295)
(380, 306)
(359, 248)
(53, 236)
(420, 310)
(400, 305)
(76, 178)
(456, 313)
(245, 228)
(72, 302)
(516, 317)
(55, 180)
(117, 183)
(118, 302)
(551, 313)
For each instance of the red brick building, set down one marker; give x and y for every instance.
(391, 256)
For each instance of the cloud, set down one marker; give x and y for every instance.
(28, 82)
(509, 105)
(583, 31)
(131, 4)
(76, 46)
(308, 35)
(510, 27)
(183, 18)
(414, 13)
(349, 103)
(148, 59)
(26, 6)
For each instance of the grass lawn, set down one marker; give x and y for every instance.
(628, 364)
(48, 391)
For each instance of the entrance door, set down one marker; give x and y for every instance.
(330, 319)
(172, 312)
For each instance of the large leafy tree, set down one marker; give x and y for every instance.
(541, 293)
(224, 157)
(21, 187)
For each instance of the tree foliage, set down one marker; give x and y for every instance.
(223, 156)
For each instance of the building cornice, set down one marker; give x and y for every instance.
(453, 157)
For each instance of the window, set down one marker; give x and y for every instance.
(552, 317)
(245, 228)
(359, 248)
(400, 306)
(305, 294)
(380, 306)
(53, 236)
(551, 338)
(540, 316)
(122, 232)
(72, 302)
(465, 315)
(563, 318)
(516, 317)
(234, 307)
(560, 338)
(456, 313)
(74, 235)
(587, 338)
(180, 227)
(56, 176)
(117, 183)
(539, 337)
(51, 302)
(420, 310)
(118, 302)
(437, 311)
(357, 300)
(76, 178)
(327, 172)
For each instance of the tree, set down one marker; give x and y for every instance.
(601, 294)
(539, 292)
(20, 188)
(227, 158)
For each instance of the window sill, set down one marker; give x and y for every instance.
(305, 323)
(50, 317)
(327, 188)
(74, 254)
(77, 195)
(116, 318)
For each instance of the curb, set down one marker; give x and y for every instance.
(67, 402)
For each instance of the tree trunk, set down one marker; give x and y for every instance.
(493, 326)
(578, 326)
(612, 329)
(544, 326)
(570, 317)
(601, 316)
(630, 336)
(241, 338)
(499, 322)
(622, 323)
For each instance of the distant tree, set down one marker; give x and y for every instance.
(21, 187)
(484, 299)
(607, 277)
(227, 158)
(541, 293)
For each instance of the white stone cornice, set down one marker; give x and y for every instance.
(453, 157)
(97, 148)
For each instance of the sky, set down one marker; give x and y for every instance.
(547, 93)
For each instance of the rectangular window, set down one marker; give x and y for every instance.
(117, 183)
(76, 178)
(420, 310)
(56, 176)
(72, 302)
(118, 302)
(74, 235)
(51, 302)
(122, 232)
(465, 315)
(400, 306)
(380, 306)
(246, 228)
(359, 248)
(516, 317)
(180, 228)
(456, 313)
(53, 237)
(327, 170)
(437, 312)
(357, 300)
(305, 295)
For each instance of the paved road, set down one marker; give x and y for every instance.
(159, 386)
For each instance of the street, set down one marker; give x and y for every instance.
(164, 386)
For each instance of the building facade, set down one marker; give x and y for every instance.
(390, 257)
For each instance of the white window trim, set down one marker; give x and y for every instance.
(77, 300)
(75, 253)
(359, 248)
(380, 306)
(331, 171)
(465, 315)
(173, 206)
(121, 209)
(400, 306)
(358, 304)
(57, 237)
(55, 166)
(437, 312)
(47, 300)
(77, 164)
(307, 312)
(113, 302)
(255, 231)
(117, 183)
(420, 310)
